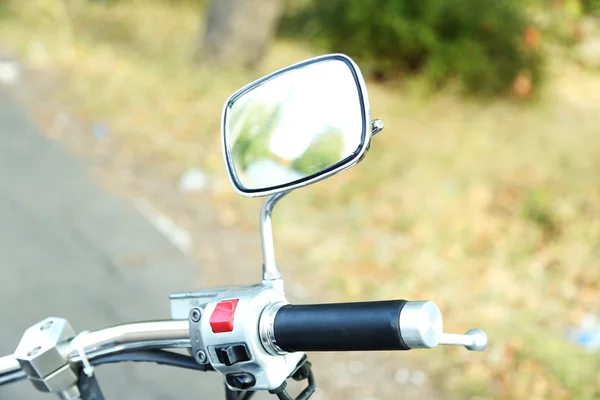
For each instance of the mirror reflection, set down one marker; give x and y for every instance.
(295, 125)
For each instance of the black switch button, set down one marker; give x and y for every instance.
(233, 353)
(241, 380)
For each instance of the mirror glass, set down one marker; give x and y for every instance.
(294, 126)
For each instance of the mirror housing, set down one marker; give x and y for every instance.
(337, 116)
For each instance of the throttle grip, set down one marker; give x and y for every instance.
(365, 326)
(340, 327)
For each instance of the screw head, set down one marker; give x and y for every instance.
(201, 357)
(34, 351)
(195, 314)
(479, 338)
(47, 325)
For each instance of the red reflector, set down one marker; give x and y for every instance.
(221, 319)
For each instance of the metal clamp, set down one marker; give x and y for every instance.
(46, 367)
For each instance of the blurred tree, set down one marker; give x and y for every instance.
(238, 32)
(477, 43)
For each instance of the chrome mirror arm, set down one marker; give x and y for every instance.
(270, 268)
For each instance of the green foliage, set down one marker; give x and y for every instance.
(591, 6)
(478, 42)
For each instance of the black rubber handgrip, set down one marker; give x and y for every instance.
(366, 326)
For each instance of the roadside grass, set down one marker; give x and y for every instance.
(488, 208)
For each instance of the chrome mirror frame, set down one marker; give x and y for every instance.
(327, 172)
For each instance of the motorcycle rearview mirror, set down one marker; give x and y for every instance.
(296, 126)
(292, 128)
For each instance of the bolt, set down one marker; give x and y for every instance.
(34, 351)
(46, 325)
(201, 357)
(196, 314)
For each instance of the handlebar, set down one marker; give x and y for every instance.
(116, 339)
(140, 335)
(10, 370)
(281, 328)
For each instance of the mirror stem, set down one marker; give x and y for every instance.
(270, 269)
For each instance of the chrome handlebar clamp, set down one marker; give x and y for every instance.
(40, 357)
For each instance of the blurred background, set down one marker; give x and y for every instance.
(482, 193)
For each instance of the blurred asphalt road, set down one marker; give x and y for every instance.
(67, 249)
